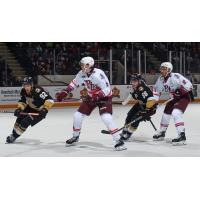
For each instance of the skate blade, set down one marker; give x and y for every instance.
(120, 148)
(159, 139)
(70, 145)
(179, 143)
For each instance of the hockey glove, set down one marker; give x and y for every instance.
(64, 93)
(98, 96)
(145, 115)
(95, 98)
(61, 95)
(148, 112)
(17, 112)
(181, 92)
(43, 113)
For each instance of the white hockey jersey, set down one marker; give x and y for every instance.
(95, 83)
(174, 82)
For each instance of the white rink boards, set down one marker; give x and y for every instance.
(48, 137)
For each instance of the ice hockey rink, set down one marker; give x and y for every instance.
(48, 137)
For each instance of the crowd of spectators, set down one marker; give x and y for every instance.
(62, 58)
(7, 77)
(190, 53)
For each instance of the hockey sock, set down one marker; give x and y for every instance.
(164, 122)
(77, 123)
(108, 121)
(178, 120)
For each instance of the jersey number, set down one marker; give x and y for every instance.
(144, 94)
(43, 95)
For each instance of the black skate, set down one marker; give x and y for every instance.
(181, 139)
(119, 146)
(125, 135)
(160, 136)
(72, 140)
(10, 139)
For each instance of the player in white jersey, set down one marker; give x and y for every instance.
(99, 95)
(179, 87)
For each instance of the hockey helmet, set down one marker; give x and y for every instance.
(136, 77)
(87, 64)
(28, 81)
(168, 65)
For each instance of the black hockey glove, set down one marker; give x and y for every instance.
(191, 95)
(145, 115)
(148, 112)
(17, 112)
(43, 112)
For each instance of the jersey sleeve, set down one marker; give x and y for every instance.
(76, 82)
(22, 101)
(182, 82)
(104, 85)
(157, 90)
(148, 94)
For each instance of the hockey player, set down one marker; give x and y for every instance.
(99, 95)
(145, 105)
(34, 99)
(179, 87)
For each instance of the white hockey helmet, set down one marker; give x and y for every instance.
(168, 65)
(87, 63)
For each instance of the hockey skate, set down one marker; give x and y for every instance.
(125, 135)
(181, 139)
(160, 136)
(10, 139)
(72, 140)
(119, 146)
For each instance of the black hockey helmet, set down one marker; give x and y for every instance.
(28, 81)
(136, 77)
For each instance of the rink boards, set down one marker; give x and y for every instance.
(9, 96)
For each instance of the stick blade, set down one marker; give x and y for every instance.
(105, 132)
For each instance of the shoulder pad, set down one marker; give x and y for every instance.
(22, 92)
(177, 75)
(38, 89)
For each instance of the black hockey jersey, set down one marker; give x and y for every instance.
(142, 93)
(36, 99)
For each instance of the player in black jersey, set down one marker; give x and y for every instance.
(145, 105)
(34, 99)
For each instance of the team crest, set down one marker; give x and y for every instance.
(83, 92)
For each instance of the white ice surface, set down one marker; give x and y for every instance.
(48, 137)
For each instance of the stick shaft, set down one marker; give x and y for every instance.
(22, 113)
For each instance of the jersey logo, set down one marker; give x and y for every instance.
(90, 85)
(37, 90)
(177, 76)
(184, 82)
(140, 89)
(102, 76)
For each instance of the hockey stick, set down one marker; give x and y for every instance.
(157, 108)
(48, 79)
(164, 103)
(22, 113)
(135, 120)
